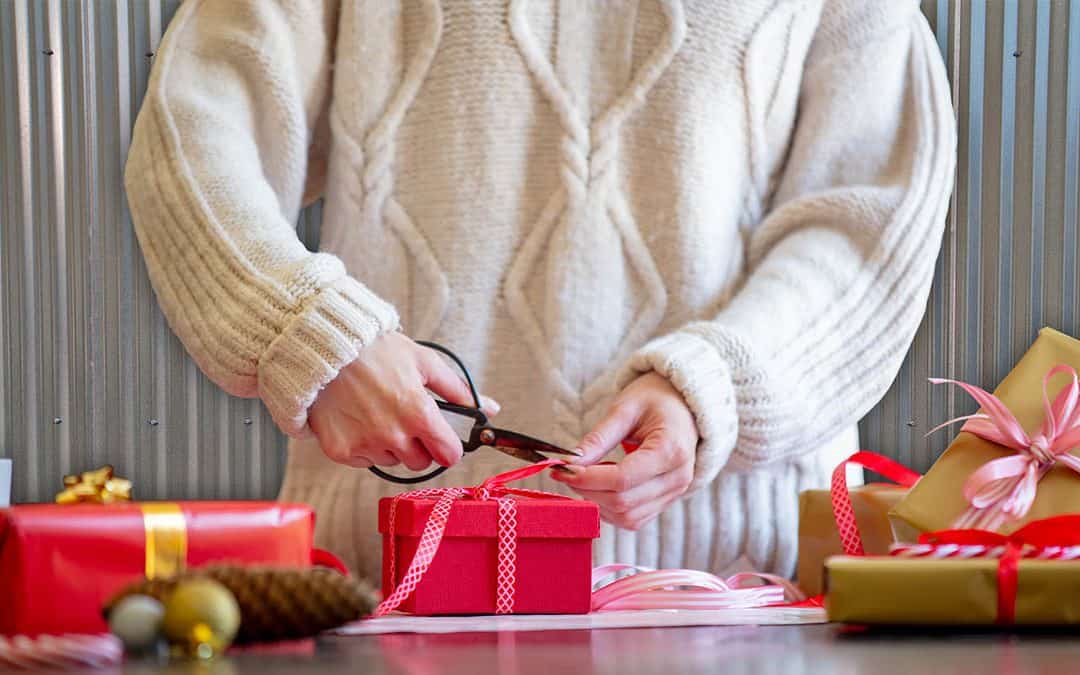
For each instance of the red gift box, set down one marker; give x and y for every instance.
(553, 560)
(60, 564)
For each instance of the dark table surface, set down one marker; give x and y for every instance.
(781, 649)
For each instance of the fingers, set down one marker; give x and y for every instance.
(489, 405)
(440, 378)
(635, 490)
(609, 432)
(413, 455)
(437, 437)
(378, 457)
(378, 410)
(358, 462)
(622, 502)
(655, 457)
(639, 517)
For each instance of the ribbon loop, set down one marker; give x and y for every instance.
(840, 494)
(1004, 489)
(100, 486)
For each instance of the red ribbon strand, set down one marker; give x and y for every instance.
(841, 494)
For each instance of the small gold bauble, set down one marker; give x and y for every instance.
(201, 617)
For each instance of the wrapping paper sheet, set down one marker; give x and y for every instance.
(405, 623)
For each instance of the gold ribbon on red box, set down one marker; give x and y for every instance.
(166, 529)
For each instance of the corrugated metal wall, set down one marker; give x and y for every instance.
(89, 372)
(1008, 265)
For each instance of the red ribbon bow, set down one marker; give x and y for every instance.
(492, 489)
(1028, 542)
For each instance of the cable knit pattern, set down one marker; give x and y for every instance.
(588, 201)
(745, 196)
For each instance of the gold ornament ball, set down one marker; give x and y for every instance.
(201, 617)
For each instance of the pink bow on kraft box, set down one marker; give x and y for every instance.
(1013, 461)
(1004, 489)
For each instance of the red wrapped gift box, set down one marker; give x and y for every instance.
(59, 564)
(553, 556)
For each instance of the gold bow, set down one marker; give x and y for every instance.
(166, 529)
(100, 486)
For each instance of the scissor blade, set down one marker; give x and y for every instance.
(512, 440)
(527, 448)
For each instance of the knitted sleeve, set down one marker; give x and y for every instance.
(214, 180)
(839, 270)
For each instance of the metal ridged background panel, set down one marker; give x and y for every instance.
(90, 373)
(1008, 264)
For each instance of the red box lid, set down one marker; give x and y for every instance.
(536, 518)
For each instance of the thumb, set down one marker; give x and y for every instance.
(619, 423)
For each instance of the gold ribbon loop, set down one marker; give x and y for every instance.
(100, 486)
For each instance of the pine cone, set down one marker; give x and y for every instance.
(276, 603)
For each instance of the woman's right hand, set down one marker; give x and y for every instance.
(378, 409)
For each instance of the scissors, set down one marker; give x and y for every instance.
(525, 448)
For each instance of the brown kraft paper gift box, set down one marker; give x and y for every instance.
(819, 539)
(915, 591)
(937, 500)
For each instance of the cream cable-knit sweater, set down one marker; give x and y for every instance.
(746, 196)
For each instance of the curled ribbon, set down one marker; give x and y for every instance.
(645, 588)
(1004, 489)
(1043, 539)
(100, 486)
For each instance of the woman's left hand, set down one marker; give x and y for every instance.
(651, 413)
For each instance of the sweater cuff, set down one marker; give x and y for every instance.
(696, 369)
(326, 335)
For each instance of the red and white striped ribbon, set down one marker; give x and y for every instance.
(60, 651)
(963, 551)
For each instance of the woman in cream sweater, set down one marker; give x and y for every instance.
(705, 225)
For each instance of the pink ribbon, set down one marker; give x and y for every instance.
(645, 589)
(1004, 489)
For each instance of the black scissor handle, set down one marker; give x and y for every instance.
(476, 413)
(407, 480)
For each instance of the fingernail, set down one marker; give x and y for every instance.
(491, 405)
